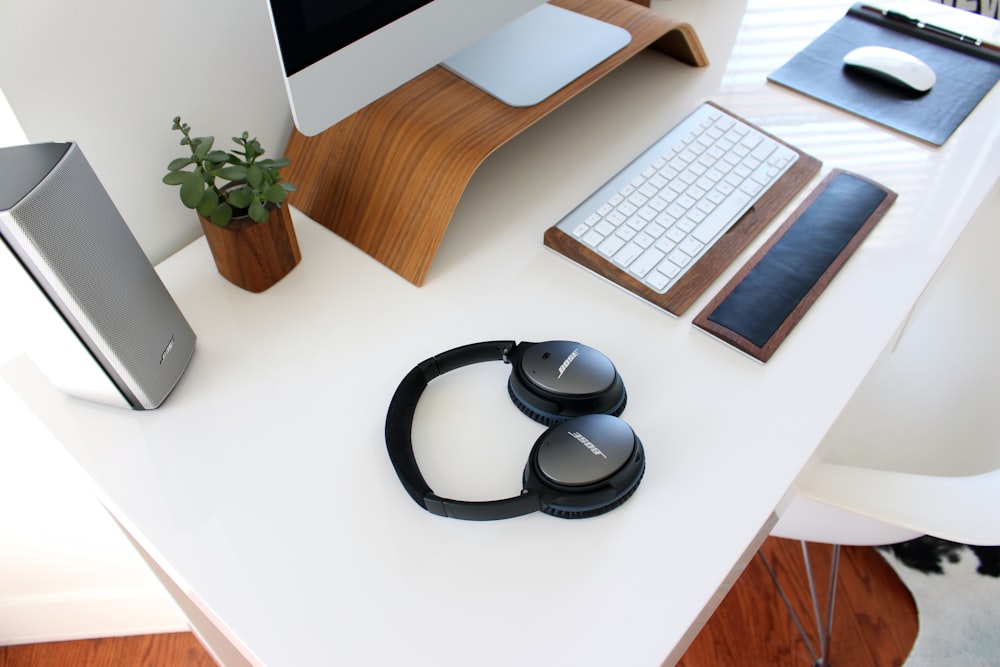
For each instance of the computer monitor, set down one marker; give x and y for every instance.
(338, 57)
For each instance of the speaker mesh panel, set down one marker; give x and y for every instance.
(78, 247)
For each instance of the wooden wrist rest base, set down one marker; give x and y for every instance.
(388, 178)
(771, 293)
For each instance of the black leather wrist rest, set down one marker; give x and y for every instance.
(771, 293)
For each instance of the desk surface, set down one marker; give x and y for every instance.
(262, 486)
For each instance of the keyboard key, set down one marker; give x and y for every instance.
(605, 227)
(654, 230)
(664, 245)
(611, 246)
(668, 269)
(614, 219)
(645, 263)
(657, 280)
(627, 254)
(644, 240)
(679, 257)
(676, 234)
(691, 246)
(722, 216)
(686, 225)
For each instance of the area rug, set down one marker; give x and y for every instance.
(957, 592)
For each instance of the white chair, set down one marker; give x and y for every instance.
(917, 450)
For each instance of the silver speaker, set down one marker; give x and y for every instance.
(119, 337)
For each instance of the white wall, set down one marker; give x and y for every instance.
(110, 75)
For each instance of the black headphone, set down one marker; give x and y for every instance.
(587, 463)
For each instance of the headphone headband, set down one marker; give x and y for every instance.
(466, 355)
(399, 424)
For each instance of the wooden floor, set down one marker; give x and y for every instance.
(875, 623)
(167, 650)
(874, 620)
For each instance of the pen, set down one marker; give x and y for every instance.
(921, 25)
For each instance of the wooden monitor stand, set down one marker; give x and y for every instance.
(388, 178)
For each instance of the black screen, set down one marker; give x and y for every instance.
(319, 14)
(310, 30)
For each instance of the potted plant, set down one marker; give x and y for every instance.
(238, 195)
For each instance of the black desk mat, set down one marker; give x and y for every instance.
(758, 308)
(963, 78)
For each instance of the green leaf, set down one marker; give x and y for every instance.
(217, 156)
(255, 176)
(175, 177)
(179, 163)
(234, 173)
(203, 145)
(222, 215)
(258, 212)
(192, 189)
(207, 204)
(280, 162)
(276, 194)
(240, 198)
(288, 187)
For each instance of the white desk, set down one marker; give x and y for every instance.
(262, 487)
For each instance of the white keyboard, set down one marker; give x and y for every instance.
(662, 213)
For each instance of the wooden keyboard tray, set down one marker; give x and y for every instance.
(711, 265)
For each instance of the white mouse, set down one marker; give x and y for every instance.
(892, 65)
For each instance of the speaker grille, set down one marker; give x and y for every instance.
(69, 235)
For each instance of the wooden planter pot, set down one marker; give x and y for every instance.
(254, 255)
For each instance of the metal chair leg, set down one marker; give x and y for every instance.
(824, 632)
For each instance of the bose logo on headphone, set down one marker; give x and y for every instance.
(579, 400)
(588, 444)
(572, 355)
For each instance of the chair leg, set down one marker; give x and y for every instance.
(824, 632)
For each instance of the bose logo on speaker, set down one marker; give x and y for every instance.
(170, 346)
(587, 443)
(572, 355)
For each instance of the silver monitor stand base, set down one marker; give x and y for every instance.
(536, 55)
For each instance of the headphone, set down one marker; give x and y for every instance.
(586, 463)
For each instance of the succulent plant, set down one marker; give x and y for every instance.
(222, 185)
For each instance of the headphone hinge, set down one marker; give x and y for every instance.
(506, 350)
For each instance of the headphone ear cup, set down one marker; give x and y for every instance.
(557, 380)
(546, 418)
(562, 513)
(585, 467)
